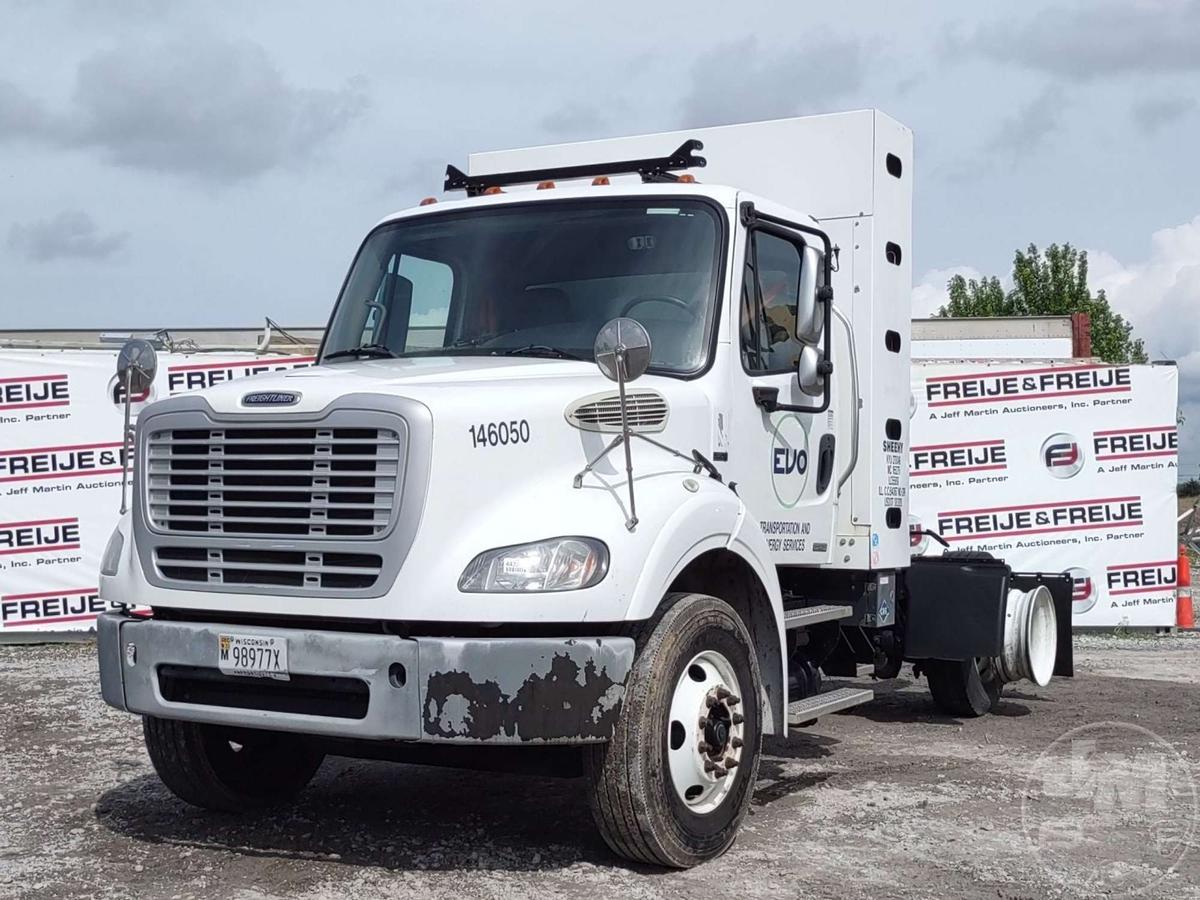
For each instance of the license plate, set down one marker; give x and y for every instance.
(253, 656)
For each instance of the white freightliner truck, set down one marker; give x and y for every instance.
(603, 463)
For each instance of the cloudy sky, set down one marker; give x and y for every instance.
(210, 163)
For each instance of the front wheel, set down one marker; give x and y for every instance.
(672, 785)
(229, 770)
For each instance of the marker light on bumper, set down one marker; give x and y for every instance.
(110, 562)
(557, 564)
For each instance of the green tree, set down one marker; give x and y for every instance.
(1050, 284)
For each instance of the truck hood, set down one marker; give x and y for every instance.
(419, 378)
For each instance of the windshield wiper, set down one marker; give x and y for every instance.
(539, 350)
(375, 351)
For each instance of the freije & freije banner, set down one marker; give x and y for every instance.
(1059, 468)
(1055, 468)
(61, 416)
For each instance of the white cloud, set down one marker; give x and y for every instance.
(1161, 297)
(1097, 39)
(202, 106)
(930, 293)
(742, 81)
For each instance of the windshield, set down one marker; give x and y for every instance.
(539, 278)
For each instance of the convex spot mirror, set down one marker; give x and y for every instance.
(137, 364)
(808, 371)
(622, 349)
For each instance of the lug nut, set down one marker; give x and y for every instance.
(732, 700)
(722, 693)
(730, 762)
(703, 747)
(738, 719)
(710, 701)
(703, 721)
(736, 743)
(720, 771)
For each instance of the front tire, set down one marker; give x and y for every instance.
(226, 770)
(672, 785)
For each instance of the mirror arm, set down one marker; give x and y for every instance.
(125, 441)
(632, 520)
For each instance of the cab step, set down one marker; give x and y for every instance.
(811, 615)
(829, 702)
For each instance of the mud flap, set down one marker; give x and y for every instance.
(955, 607)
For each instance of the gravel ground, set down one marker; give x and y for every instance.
(891, 799)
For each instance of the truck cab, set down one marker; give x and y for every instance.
(602, 460)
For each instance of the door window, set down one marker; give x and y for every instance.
(770, 299)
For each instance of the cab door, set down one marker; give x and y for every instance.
(783, 452)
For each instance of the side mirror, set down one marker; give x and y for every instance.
(622, 350)
(810, 312)
(137, 364)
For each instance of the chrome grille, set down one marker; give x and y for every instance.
(215, 566)
(273, 481)
(647, 411)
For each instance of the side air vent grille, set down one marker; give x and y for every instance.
(602, 412)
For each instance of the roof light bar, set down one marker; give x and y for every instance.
(651, 170)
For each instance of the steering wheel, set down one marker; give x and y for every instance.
(664, 298)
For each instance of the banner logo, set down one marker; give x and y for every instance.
(965, 456)
(1040, 518)
(1142, 578)
(1083, 590)
(196, 376)
(34, 392)
(1135, 443)
(77, 461)
(1061, 455)
(1026, 384)
(50, 607)
(116, 393)
(41, 536)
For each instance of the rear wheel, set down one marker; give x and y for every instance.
(226, 769)
(673, 784)
(968, 687)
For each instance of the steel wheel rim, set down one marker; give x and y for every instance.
(704, 711)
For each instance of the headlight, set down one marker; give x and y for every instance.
(558, 564)
(110, 562)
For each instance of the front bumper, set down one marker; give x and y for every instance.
(502, 691)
